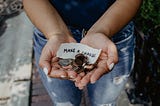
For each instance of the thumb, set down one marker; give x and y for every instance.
(45, 62)
(110, 63)
(112, 57)
(45, 65)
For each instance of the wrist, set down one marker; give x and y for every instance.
(57, 34)
(99, 31)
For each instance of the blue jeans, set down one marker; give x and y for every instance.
(106, 90)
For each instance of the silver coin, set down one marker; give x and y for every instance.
(65, 62)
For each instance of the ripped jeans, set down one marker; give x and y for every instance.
(106, 90)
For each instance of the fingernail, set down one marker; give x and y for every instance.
(76, 85)
(92, 82)
(83, 84)
(45, 70)
(111, 66)
(71, 76)
(62, 76)
(80, 88)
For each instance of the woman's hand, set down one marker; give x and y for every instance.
(48, 59)
(106, 61)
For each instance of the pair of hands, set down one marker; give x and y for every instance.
(105, 63)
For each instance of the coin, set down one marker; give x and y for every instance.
(79, 64)
(64, 62)
(80, 59)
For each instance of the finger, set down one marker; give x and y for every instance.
(85, 80)
(97, 74)
(45, 65)
(55, 64)
(45, 70)
(82, 74)
(112, 55)
(45, 59)
(81, 87)
(55, 59)
(58, 73)
(76, 84)
(71, 74)
(110, 62)
(69, 67)
(103, 67)
(78, 79)
(103, 55)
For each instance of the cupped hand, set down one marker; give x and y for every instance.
(106, 61)
(48, 59)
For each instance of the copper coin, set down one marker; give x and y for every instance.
(80, 59)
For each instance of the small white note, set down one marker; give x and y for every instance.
(69, 50)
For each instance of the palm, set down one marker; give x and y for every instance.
(107, 57)
(48, 56)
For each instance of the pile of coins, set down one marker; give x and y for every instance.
(79, 64)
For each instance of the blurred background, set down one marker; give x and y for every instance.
(20, 84)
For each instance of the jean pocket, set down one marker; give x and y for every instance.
(39, 40)
(125, 43)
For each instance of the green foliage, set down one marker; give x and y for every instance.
(148, 16)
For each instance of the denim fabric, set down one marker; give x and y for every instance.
(106, 90)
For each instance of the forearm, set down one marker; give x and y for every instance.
(45, 17)
(116, 17)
